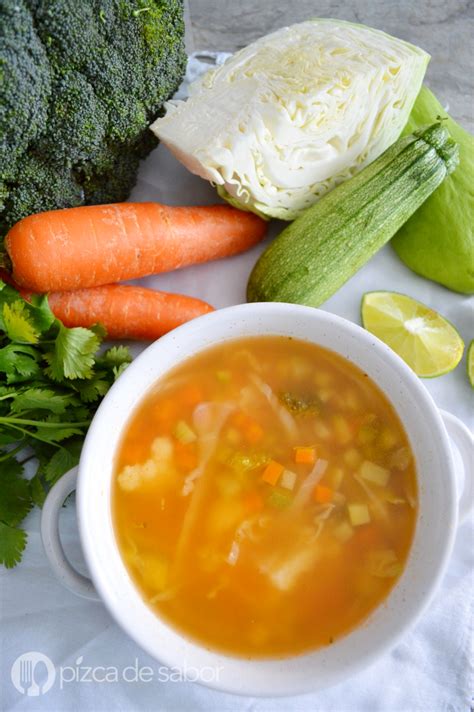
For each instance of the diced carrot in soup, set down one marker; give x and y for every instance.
(272, 472)
(305, 455)
(323, 494)
(264, 504)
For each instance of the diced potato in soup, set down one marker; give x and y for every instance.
(265, 497)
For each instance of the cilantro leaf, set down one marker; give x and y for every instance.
(80, 413)
(62, 461)
(41, 399)
(15, 500)
(115, 356)
(115, 360)
(37, 308)
(90, 391)
(118, 370)
(99, 330)
(17, 323)
(57, 435)
(12, 545)
(40, 312)
(37, 491)
(36, 313)
(51, 381)
(75, 415)
(8, 295)
(12, 468)
(19, 362)
(7, 435)
(73, 355)
(6, 391)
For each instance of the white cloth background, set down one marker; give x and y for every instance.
(430, 670)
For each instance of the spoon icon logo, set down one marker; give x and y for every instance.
(33, 674)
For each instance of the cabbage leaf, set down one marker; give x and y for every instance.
(294, 114)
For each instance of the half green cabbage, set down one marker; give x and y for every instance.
(294, 114)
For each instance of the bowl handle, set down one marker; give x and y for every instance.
(462, 445)
(67, 575)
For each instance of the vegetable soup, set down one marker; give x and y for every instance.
(265, 497)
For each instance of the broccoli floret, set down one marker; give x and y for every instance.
(80, 82)
(77, 123)
(40, 185)
(118, 178)
(301, 405)
(25, 85)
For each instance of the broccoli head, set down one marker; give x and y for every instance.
(80, 82)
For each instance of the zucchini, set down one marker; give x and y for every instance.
(313, 257)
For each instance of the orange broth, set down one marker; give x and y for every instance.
(264, 497)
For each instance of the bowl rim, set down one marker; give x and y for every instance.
(112, 602)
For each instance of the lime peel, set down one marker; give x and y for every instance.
(470, 363)
(424, 339)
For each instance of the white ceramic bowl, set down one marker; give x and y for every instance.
(436, 525)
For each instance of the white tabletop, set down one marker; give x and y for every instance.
(429, 671)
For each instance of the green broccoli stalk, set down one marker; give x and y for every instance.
(80, 82)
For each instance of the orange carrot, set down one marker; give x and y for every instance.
(95, 245)
(272, 472)
(126, 312)
(323, 494)
(305, 455)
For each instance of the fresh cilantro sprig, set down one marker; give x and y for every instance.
(52, 380)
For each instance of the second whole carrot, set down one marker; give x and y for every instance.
(97, 245)
(126, 311)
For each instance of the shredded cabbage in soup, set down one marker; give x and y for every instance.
(265, 497)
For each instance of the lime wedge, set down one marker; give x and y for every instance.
(428, 343)
(470, 363)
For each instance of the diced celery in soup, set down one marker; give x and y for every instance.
(265, 497)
